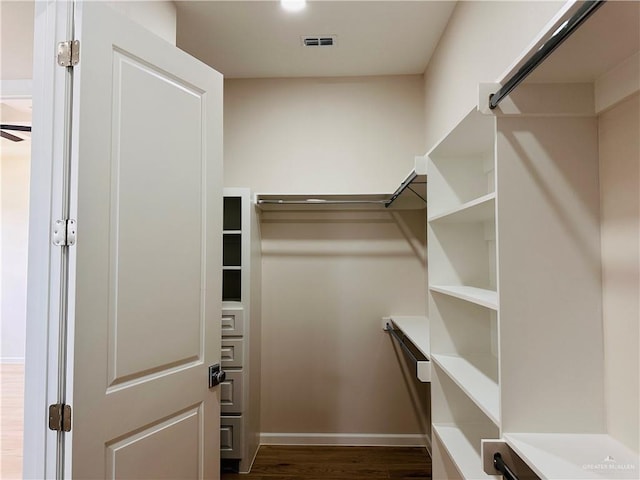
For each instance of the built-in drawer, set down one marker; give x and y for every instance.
(231, 392)
(232, 322)
(230, 437)
(231, 352)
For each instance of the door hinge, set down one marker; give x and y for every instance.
(68, 53)
(64, 233)
(60, 417)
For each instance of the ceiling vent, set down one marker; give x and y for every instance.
(319, 41)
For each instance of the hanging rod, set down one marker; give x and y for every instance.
(389, 328)
(503, 468)
(570, 26)
(314, 201)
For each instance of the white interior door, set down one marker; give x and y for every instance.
(145, 292)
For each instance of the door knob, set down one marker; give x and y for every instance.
(216, 375)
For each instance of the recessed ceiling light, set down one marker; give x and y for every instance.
(293, 5)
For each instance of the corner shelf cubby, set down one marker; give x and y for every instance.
(459, 425)
(477, 378)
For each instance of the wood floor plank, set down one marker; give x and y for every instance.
(338, 463)
(11, 420)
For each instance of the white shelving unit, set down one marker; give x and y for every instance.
(241, 277)
(515, 266)
(463, 298)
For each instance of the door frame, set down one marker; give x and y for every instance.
(53, 22)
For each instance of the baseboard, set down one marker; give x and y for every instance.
(346, 439)
(13, 360)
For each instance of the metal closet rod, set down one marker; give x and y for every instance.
(311, 201)
(389, 328)
(503, 468)
(583, 13)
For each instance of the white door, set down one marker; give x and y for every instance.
(144, 289)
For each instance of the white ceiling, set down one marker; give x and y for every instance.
(245, 39)
(259, 39)
(15, 110)
(252, 39)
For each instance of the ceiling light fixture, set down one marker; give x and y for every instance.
(293, 5)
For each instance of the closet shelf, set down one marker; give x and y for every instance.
(321, 201)
(416, 330)
(410, 195)
(477, 210)
(479, 296)
(479, 387)
(571, 456)
(460, 447)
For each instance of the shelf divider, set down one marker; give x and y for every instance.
(479, 296)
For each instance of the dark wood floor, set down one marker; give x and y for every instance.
(338, 463)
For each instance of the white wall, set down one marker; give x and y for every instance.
(619, 149)
(157, 16)
(16, 32)
(14, 213)
(328, 135)
(327, 281)
(479, 44)
(328, 278)
(16, 40)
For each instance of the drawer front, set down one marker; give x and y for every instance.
(231, 392)
(231, 352)
(230, 437)
(232, 322)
